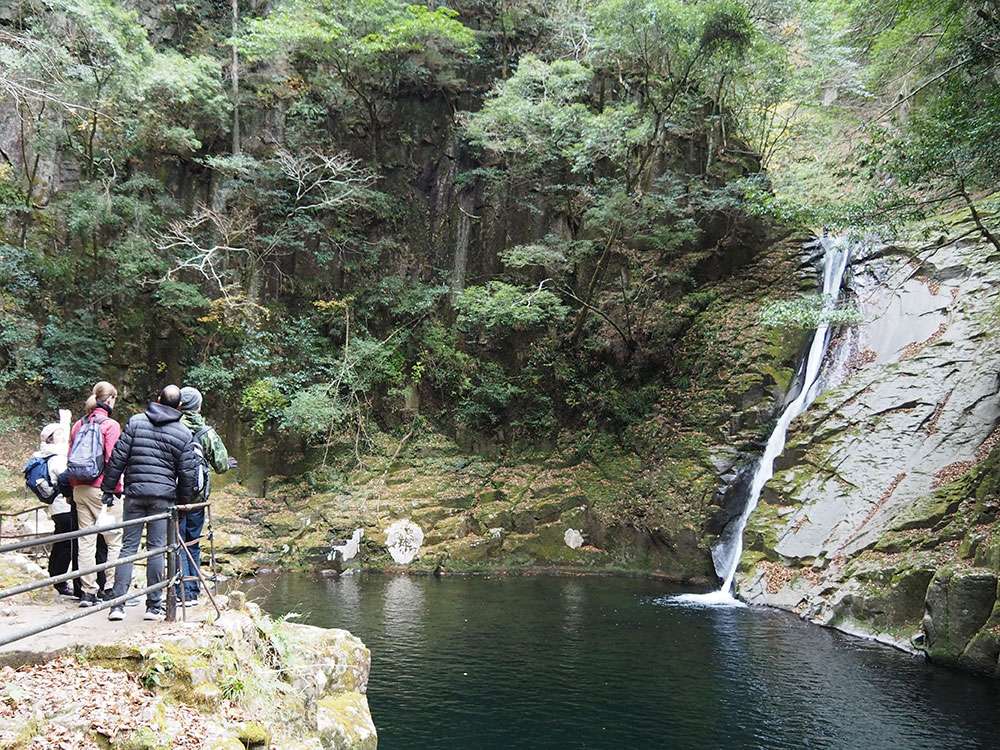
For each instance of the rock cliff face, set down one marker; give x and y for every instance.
(650, 500)
(882, 515)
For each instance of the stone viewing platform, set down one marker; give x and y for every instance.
(236, 681)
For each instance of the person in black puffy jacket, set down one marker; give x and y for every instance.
(156, 453)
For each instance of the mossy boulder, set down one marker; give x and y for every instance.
(960, 604)
(243, 681)
(343, 722)
(226, 743)
(253, 734)
(325, 660)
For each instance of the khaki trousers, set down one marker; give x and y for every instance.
(88, 506)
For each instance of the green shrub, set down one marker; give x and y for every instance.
(808, 312)
(76, 353)
(499, 306)
(262, 401)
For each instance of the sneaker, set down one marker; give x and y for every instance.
(154, 613)
(189, 602)
(117, 613)
(88, 600)
(63, 589)
(106, 595)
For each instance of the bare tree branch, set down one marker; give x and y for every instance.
(326, 182)
(189, 239)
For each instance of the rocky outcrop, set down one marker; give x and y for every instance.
(881, 517)
(245, 681)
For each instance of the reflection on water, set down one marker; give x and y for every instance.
(403, 608)
(597, 663)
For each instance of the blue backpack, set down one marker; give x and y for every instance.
(86, 457)
(36, 479)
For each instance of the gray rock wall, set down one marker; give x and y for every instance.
(872, 519)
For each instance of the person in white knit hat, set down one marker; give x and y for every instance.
(53, 446)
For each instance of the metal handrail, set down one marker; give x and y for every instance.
(16, 514)
(100, 606)
(186, 546)
(67, 535)
(55, 580)
(171, 550)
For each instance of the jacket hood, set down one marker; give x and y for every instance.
(193, 421)
(159, 414)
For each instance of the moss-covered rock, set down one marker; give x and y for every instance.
(245, 681)
(344, 722)
(960, 604)
(253, 735)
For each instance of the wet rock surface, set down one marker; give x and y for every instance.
(882, 507)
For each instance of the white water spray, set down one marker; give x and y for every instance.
(836, 252)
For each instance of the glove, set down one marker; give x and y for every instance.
(233, 463)
(108, 499)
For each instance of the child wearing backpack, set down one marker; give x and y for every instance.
(92, 440)
(41, 476)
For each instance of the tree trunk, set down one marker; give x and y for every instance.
(595, 282)
(977, 219)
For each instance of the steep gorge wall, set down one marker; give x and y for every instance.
(649, 500)
(882, 517)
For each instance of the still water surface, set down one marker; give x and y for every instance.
(547, 662)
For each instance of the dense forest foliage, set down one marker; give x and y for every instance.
(345, 216)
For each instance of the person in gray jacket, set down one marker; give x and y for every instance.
(156, 454)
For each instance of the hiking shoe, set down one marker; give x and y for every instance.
(117, 614)
(63, 589)
(154, 614)
(88, 600)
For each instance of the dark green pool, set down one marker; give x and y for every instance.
(545, 662)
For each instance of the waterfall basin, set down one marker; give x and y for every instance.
(609, 663)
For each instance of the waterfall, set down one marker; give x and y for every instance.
(836, 252)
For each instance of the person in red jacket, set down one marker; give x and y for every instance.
(88, 497)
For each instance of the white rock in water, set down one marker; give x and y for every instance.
(349, 549)
(573, 539)
(403, 539)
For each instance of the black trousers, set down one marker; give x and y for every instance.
(61, 554)
(64, 555)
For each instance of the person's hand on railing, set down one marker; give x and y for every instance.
(233, 463)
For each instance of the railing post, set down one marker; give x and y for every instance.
(172, 564)
(211, 552)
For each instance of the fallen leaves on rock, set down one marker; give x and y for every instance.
(911, 350)
(68, 704)
(951, 472)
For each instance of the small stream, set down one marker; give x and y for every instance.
(558, 662)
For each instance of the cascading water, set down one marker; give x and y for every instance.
(836, 252)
